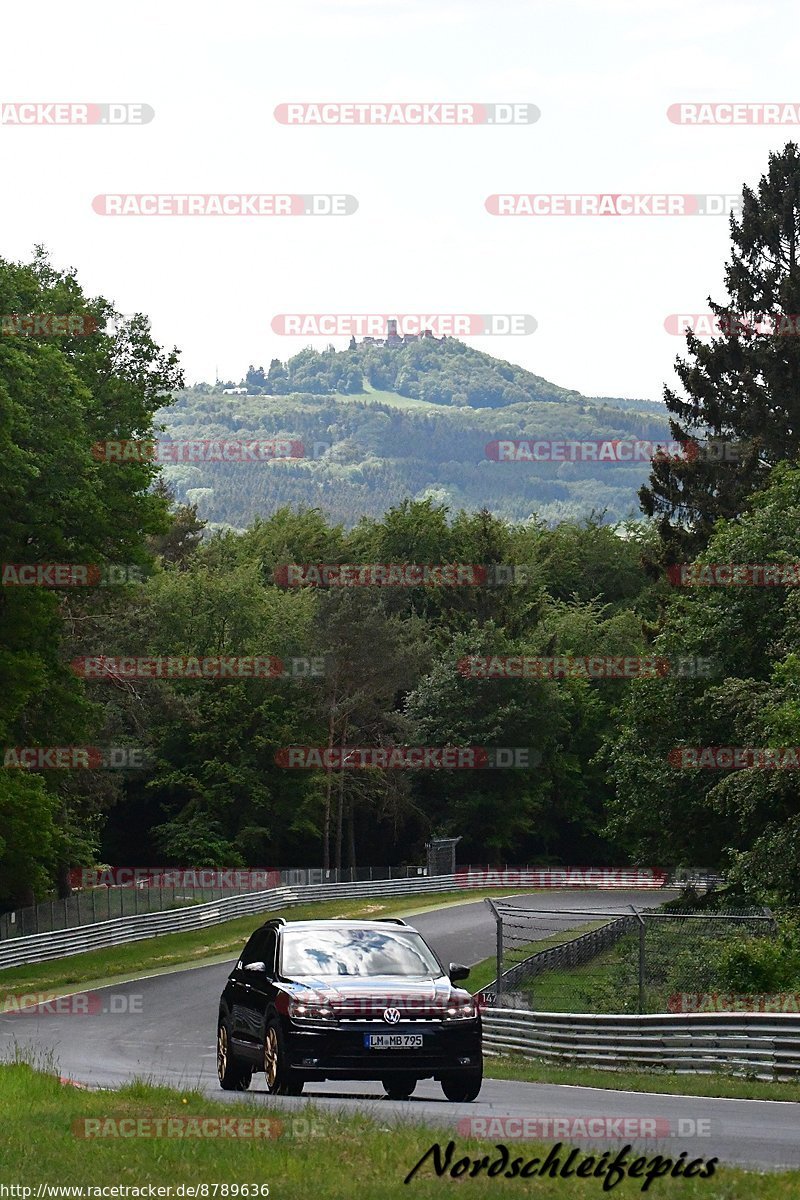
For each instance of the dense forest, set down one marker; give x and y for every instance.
(605, 778)
(362, 454)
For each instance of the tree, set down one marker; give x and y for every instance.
(372, 659)
(744, 819)
(179, 542)
(63, 504)
(277, 381)
(255, 379)
(743, 387)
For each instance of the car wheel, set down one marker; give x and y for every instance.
(398, 1087)
(233, 1075)
(462, 1087)
(282, 1080)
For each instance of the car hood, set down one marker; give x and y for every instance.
(371, 997)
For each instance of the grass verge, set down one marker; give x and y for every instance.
(633, 1079)
(317, 1153)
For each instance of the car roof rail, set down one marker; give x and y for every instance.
(392, 920)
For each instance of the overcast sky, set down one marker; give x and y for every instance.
(602, 72)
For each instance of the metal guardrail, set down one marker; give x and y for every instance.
(66, 942)
(763, 1044)
(63, 943)
(90, 904)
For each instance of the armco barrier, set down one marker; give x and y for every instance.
(65, 942)
(763, 1044)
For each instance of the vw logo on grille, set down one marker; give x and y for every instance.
(392, 1016)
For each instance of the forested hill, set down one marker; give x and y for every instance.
(379, 424)
(444, 371)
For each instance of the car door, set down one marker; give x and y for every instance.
(239, 992)
(252, 988)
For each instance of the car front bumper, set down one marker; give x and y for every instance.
(340, 1051)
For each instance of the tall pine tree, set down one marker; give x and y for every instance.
(744, 386)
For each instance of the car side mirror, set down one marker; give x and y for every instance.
(258, 968)
(457, 972)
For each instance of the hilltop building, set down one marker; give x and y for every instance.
(393, 338)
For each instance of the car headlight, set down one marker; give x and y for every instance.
(309, 1011)
(461, 1010)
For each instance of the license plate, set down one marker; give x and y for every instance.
(393, 1041)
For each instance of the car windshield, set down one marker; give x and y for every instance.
(356, 952)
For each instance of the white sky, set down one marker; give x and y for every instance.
(603, 73)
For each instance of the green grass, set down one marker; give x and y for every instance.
(318, 1154)
(677, 959)
(634, 1079)
(485, 972)
(572, 989)
(372, 395)
(196, 947)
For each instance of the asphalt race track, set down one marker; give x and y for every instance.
(164, 1029)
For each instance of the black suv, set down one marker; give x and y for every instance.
(347, 1000)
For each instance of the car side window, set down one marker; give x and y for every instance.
(261, 948)
(269, 951)
(252, 951)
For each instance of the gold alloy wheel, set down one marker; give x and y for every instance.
(271, 1056)
(222, 1051)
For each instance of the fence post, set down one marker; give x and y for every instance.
(498, 953)
(640, 919)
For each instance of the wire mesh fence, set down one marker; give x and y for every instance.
(87, 906)
(629, 960)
